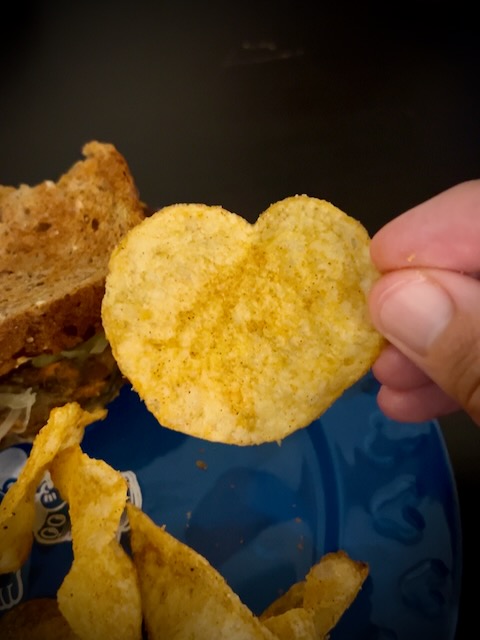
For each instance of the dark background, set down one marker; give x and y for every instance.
(374, 106)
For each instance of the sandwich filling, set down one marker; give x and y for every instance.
(87, 374)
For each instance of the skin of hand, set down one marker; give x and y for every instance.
(427, 305)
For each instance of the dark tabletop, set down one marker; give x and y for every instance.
(373, 106)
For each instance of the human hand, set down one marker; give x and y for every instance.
(427, 304)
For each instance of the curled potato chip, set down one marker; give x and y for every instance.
(38, 619)
(236, 332)
(331, 586)
(310, 609)
(65, 427)
(291, 599)
(183, 596)
(100, 596)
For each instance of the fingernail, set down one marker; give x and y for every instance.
(414, 313)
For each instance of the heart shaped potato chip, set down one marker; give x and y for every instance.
(236, 332)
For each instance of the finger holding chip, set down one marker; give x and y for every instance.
(65, 427)
(100, 595)
(242, 333)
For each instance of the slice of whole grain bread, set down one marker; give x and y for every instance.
(55, 243)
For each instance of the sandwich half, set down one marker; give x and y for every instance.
(55, 243)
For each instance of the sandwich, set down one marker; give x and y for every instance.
(55, 244)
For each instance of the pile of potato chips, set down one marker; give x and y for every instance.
(229, 332)
(163, 588)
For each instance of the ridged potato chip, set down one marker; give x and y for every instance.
(310, 609)
(167, 586)
(169, 570)
(183, 596)
(65, 427)
(100, 595)
(242, 333)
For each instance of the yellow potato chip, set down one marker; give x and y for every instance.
(331, 586)
(294, 624)
(38, 619)
(65, 427)
(236, 332)
(100, 595)
(311, 608)
(291, 599)
(183, 596)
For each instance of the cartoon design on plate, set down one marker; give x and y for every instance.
(386, 444)
(11, 590)
(134, 496)
(52, 522)
(427, 587)
(395, 512)
(11, 584)
(11, 462)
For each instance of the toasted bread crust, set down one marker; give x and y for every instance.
(55, 242)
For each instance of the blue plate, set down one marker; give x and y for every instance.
(263, 515)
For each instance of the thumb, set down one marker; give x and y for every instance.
(433, 317)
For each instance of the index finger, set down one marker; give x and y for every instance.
(443, 232)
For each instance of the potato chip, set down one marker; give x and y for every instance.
(100, 596)
(311, 608)
(291, 599)
(294, 624)
(236, 332)
(65, 427)
(331, 586)
(38, 619)
(183, 596)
